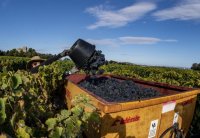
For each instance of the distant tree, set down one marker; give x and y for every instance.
(198, 67)
(112, 61)
(2, 53)
(12, 52)
(30, 53)
(22, 53)
(45, 56)
(195, 66)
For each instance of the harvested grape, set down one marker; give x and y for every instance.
(115, 90)
(95, 61)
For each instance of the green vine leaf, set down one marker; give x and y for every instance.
(16, 80)
(56, 133)
(4, 86)
(12, 120)
(51, 123)
(77, 110)
(2, 110)
(64, 114)
(21, 133)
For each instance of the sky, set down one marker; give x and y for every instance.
(149, 32)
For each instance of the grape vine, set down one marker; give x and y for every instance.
(33, 105)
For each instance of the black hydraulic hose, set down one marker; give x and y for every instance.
(178, 133)
(166, 131)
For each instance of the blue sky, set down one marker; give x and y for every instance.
(151, 32)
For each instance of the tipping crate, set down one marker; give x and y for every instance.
(138, 119)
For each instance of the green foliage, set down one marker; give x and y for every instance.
(70, 123)
(13, 63)
(2, 110)
(17, 80)
(173, 76)
(21, 133)
(30, 104)
(30, 52)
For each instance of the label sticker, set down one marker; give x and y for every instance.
(175, 120)
(169, 106)
(153, 128)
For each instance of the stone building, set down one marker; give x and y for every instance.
(24, 49)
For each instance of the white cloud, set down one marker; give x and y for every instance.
(186, 10)
(128, 40)
(121, 17)
(170, 40)
(104, 42)
(138, 40)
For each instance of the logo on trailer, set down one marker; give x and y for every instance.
(126, 120)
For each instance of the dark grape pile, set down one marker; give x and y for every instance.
(115, 90)
(95, 61)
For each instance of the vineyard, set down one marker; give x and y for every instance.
(13, 63)
(31, 105)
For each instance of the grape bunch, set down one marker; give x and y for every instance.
(95, 61)
(115, 90)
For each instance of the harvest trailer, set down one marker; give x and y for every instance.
(160, 116)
